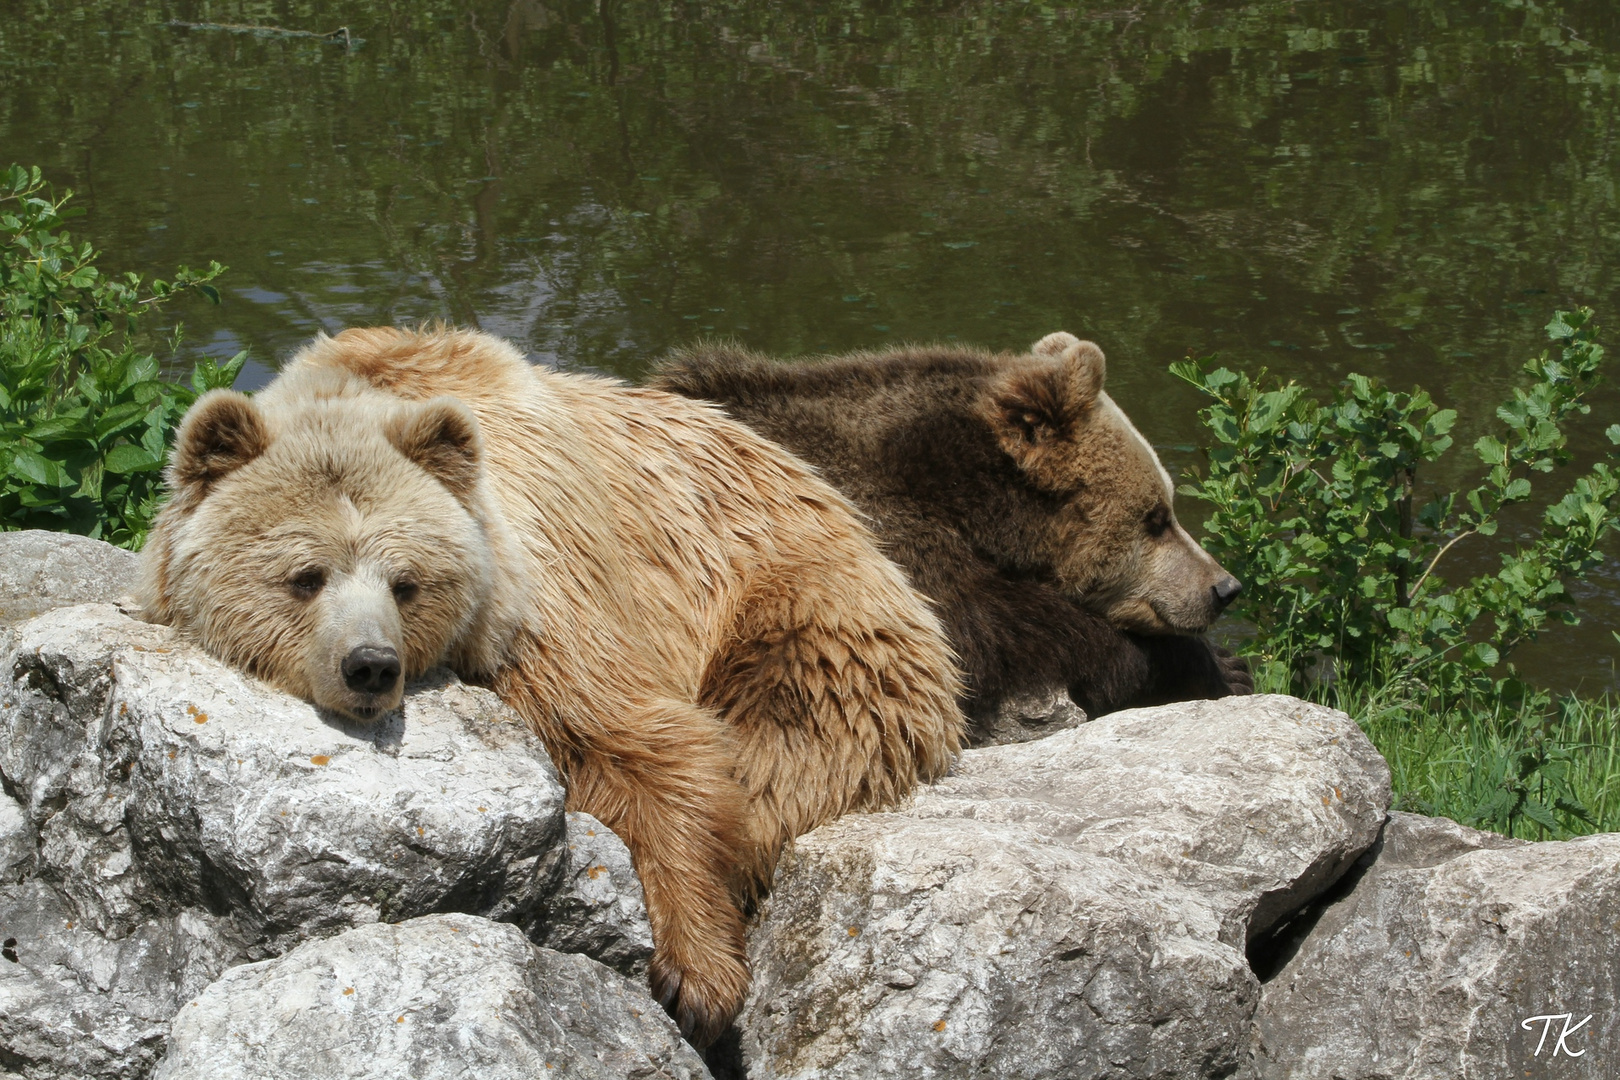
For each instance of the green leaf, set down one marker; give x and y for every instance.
(61, 429)
(29, 465)
(119, 417)
(1493, 809)
(1539, 814)
(128, 458)
(1270, 407)
(227, 374)
(1572, 806)
(90, 482)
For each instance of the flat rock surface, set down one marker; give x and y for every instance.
(1255, 802)
(1073, 907)
(439, 996)
(1448, 941)
(44, 570)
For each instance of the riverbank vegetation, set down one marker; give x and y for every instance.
(1325, 510)
(86, 417)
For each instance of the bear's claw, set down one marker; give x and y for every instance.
(1234, 671)
(702, 1012)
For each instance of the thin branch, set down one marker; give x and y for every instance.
(1438, 556)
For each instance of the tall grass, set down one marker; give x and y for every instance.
(1457, 757)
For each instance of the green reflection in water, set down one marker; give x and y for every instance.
(1406, 190)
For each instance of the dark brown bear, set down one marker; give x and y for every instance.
(1018, 496)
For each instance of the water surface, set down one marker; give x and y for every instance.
(1406, 190)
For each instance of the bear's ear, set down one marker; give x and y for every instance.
(1055, 344)
(1083, 368)
(222, 432)
(441, 436)
(1038, 405)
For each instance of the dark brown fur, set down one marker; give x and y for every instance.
(908, 435)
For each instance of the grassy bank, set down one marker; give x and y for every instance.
(1490, 760)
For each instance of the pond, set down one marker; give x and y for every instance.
(1403, 190)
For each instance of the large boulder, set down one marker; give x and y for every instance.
(1453, 953)
(443, 995)
(1077, 906)
(160, 779)
(164, 817)
(44, 570)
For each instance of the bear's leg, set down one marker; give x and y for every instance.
(660, 777)
(835, 708)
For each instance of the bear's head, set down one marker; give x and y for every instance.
(330, 541)
(1108, 529)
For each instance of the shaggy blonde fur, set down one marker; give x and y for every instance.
(710, 644)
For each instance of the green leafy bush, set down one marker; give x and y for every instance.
(85, 417)
(1320, 508)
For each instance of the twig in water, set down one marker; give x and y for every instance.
(340, 34)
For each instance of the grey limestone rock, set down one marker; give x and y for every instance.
(160, 778)
(597, 908)
(167, 816)
(1073, 907)
(17, 840)
(1256, 802)
(1431, 961)
(44, 570)
(439, 996)
(74, 1003)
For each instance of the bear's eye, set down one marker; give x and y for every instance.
(306, 583)
(1157, 521)
(405, 590)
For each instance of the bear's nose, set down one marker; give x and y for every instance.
(371, 670)
(1226, 590)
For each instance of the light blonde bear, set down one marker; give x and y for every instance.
(710, 644)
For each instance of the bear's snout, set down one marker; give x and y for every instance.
(1226, 590)
(371, 670)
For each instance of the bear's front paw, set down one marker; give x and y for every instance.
(1234, 672)
(704, 998)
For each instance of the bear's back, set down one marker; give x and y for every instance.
(903, 425)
